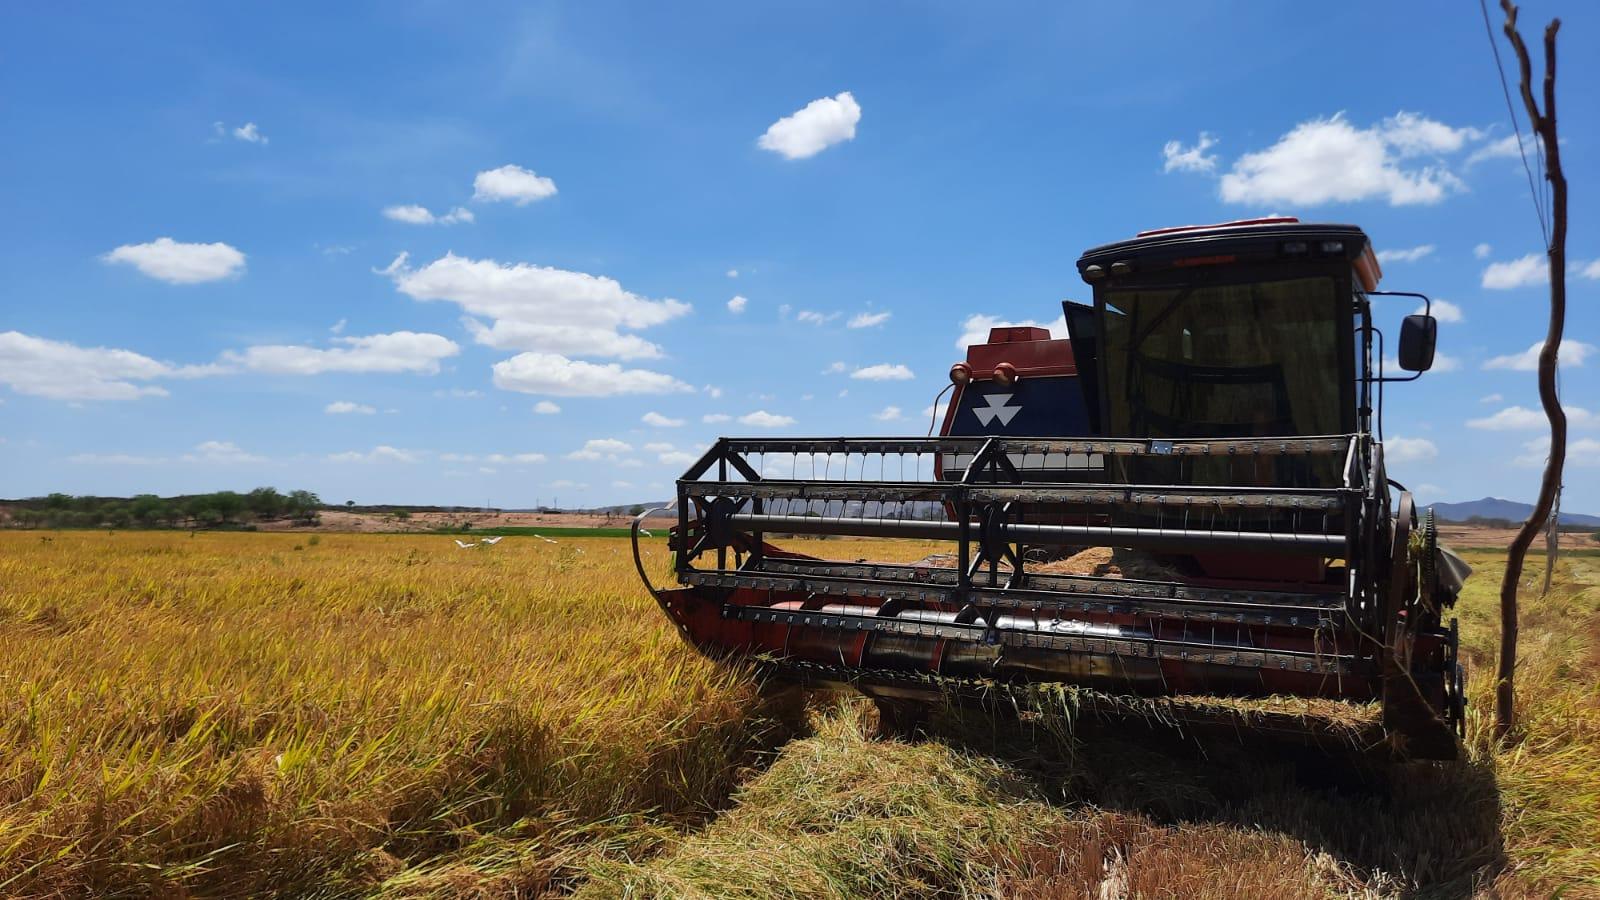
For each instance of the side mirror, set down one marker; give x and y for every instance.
(1418, 334)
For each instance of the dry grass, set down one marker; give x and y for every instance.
(254, 714)
(236, 714)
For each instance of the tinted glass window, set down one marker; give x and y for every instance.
(1229, 360)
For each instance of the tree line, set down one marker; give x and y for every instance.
(221, 509)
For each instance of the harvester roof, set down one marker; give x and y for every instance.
(1244, 241)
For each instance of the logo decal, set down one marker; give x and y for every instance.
(997, 409)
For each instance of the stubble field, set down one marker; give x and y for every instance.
(352, 715)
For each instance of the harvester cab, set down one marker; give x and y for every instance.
(1211, 416)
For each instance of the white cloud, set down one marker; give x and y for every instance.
(546, 408)
(657, 420)
(165, 259)
(811, 317)
(1521, 272)
(867, 320)
(716, 418)
(1404, 449)
(883, 372)
(249, 133)
(763, 419)
(540, 308)
(737, 304)
(411, 214)
(658, 447)
(713, 391)
(400, 351)
(1502, 148)
(515, 459)
(975, 330)
(1331, 161)
(346, 407)
(224, 453)
(1411, 254)
(820, 125)
(458, 393)
(1482, 251)
(338, 327)
(1520, 418)
(676, 458)
(1591, 270)
(1178, 158)
(1441, 363)
(1490, 398)
(512, 183)
(888, 414)
(1583, 452)
(836, 367)
(60, 371)
(378, 454)
(1444, 311)
(1571, 353)
(601, 448)
(558, 376)
(733, 273)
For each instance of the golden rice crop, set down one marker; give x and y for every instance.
(234, 714)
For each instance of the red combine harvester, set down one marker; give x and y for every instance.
(1213, 410)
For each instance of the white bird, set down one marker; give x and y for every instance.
(464, 545)
(491, 541)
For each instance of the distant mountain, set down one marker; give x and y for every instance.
(1496, 508)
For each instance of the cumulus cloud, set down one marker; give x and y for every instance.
(657, 420)
(763, 419)
(1444, 311)
(1404, 449)
(400, 351)
(558, 376)
(1411, 254)
(1521, 272)
(224, 453)
(515, 459)
(820, 125)
(836, 368)
(250, 134)
(1482, 251)
(1178, 158)
(867, 320)
(546, 408)
(58, 370)
(1520, 418)
(737, 304)
(514, 183)
(675, 458)
(811, 317)
(1571, 353)
(975, 330)
(174, 262)
(346, 407)
(1590, 270)
(1584, 452)
(1490, 398)
(1332, 161)
(888, 414)
(379, 454)
(883, 372)
(658, 447)
(733, 273)
(1501, 148)
(539, 308)
(601, 448)
(411, 214)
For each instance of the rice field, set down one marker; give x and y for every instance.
(388, 715)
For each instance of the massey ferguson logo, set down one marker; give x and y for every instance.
(997, 409)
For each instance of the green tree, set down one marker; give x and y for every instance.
(266, 503)
(228, 504)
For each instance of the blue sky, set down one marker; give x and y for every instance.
(358, 248)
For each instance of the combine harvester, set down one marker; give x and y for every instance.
(1213, 410)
